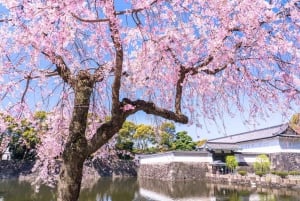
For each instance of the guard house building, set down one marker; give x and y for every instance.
(281, 143)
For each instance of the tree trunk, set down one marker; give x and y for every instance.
(70, 177)
(75, 151)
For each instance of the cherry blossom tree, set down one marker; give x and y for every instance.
(180, 60)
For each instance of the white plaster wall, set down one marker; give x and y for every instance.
(246, 158)
(266, 146)
(168, 158)
(157, 159)
(203, 159)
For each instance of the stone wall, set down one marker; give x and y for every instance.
(115, 168)
(173, 171)
(14, 168)
(92, 169)
(285, 161)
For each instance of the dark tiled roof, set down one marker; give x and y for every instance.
(252, 135)
(222, 146)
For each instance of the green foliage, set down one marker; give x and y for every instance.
(282, 174)
(168, 127)
(200, 143)
(125, 139)
(231, 162)
(183, 142)
(166, 136)
(242, 172)
(262, 163)
(144, 135)
(40, 115)
(294, 172)
(260, 173)
(25, 135)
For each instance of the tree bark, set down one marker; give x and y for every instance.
(75, 151)
(70, 179)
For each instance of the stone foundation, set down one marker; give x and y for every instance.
(15, 168)
(92, 169)
(173, 171)
(285, 161)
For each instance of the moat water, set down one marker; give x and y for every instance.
(131, 189)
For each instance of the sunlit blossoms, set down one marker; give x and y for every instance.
(83, 61)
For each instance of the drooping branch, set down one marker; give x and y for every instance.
(182, 75)
(133, 12)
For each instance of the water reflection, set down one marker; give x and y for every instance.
(130, 189)
(203, 191)
(108, 189)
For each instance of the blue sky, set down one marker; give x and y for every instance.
(226, 126)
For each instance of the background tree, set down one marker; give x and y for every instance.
(144, 136)
(125, 140)
(22, 137)
(183, 142)
(165, 58)
(166, 136)
(262, 164)
(231, 163)
(201, 143)
(294, 123)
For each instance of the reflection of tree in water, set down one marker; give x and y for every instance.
(227, 194)
(108, 189)
(12, 190)
(178, 189)
(271, 197)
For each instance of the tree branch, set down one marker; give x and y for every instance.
(28, 78)
(110, 128)
(151, 108)
(63, 70)
(115, 36)
(124, 12)
(5, 20)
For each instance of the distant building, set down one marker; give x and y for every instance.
(280, 143)
(6, 155)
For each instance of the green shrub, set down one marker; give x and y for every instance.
(262, 164)
(231, 162)
(260, 173)
(242, 172)
(294, 172)
(282, 174)
(274, 172)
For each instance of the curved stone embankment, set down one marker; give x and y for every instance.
(268, 181)
(93, 169)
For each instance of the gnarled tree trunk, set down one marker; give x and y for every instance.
(75, 151)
